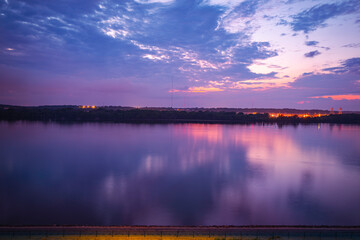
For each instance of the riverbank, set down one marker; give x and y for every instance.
(176, 232)
(70, 114)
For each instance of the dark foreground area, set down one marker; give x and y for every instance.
(168, 232)
(133, 115)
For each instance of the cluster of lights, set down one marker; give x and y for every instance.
(306, 115)
(87, 106)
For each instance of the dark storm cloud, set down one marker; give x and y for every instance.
(315, 17)
(312, 54)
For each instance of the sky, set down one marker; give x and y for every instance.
(301, 54)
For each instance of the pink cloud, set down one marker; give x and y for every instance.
(302, 102)
(199, 90)
(341, 97)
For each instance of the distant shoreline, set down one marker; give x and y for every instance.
(181, 232)
(175, 227)
(199, 229)
(88, 114)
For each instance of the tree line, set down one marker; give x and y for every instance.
(74, 114)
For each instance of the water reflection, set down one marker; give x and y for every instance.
(182, 174)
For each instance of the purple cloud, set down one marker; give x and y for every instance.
(339, 80)
(132, 52)
(311, 43)
(312, 54)
(310, 19)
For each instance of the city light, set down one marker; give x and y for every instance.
(87, 106)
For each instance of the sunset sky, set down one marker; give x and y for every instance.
(210, 53)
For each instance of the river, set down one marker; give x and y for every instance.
(179, 174)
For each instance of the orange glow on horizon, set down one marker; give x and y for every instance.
(204, 89)
(199, 90)
(306, 115)
(341, 97)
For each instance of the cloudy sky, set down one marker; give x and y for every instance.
(209, 53)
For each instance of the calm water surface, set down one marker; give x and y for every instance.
(179, 174)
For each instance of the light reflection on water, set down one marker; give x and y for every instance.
(179, 174)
